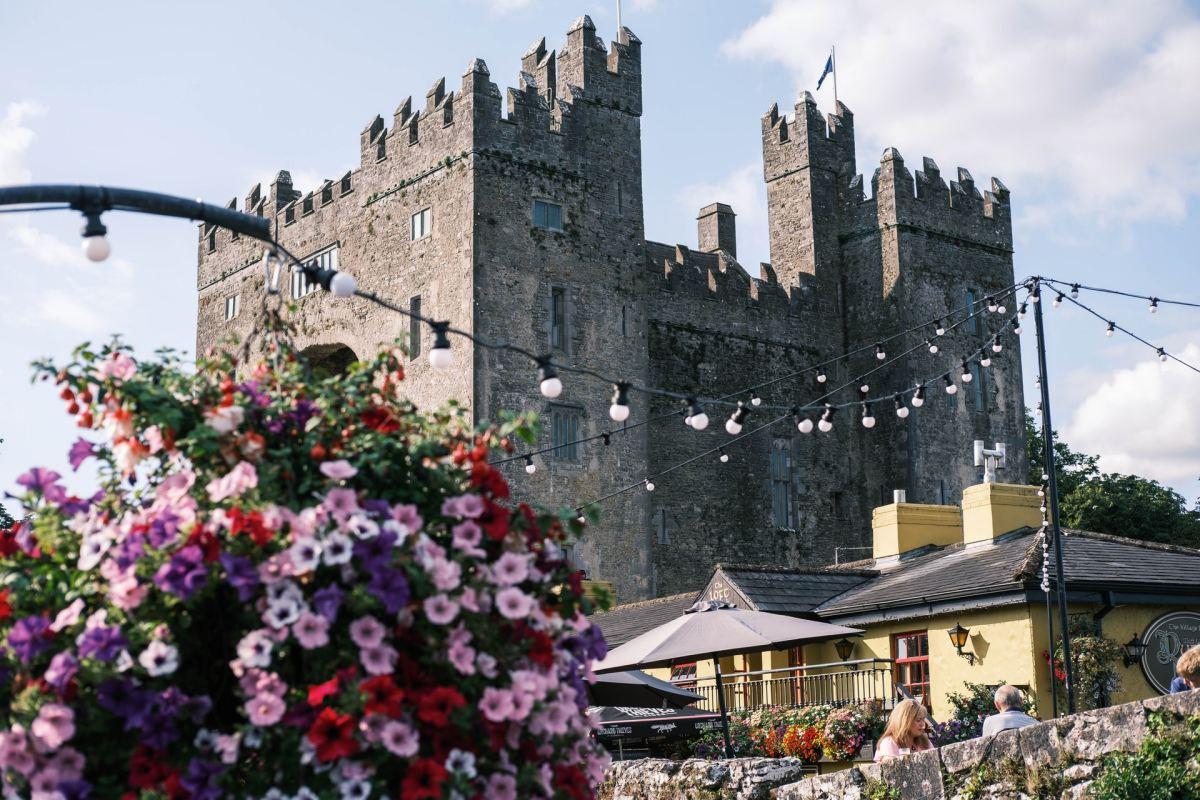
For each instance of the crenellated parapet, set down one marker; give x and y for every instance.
(807, 139)
(719, 278)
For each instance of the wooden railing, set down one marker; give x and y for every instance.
(837, 683)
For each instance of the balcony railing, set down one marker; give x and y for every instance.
(837, 683)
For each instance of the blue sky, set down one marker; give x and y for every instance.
(1088, 111)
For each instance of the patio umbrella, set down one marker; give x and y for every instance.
(715, 628)
(636, 688)
(623, 722)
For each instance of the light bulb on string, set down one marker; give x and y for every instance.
(939, 328)
(1023, 310)
(95, 242)
(1036, 295)
(649, 485)
(1110, 329)
(1162, 355)
(1000, 309)
(901, 409)
(918, 398)
(826, 423)
(1074, 291)
(864, 389)
(1016, 326)
(696, 416)
(933, 348)
(1153, 305)
(821, 376)
(804, 425)
(868, 419)
(1057, 300)
(581, 519)
(985, 360)
(733, 425)
(549, 383)
(755, 400)
(440, 355)
(530, 467)
(967, 377)
(724, 457)
(619, 410)
(951, 386)
(992, 305)
(997, 346)
(879, 352)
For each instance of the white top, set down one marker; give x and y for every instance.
(1006, 721)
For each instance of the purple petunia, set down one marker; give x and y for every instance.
(376, 551)
(81, 451)
(241, 574)
(124, 699)
(103, 642)
(327, 601)
(164, 528)
(63, 667)
(390, 588)
(44, 482)
(184, 574)
(78, 789)
(29, 636)
(201, 779)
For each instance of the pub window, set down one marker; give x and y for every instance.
(414, 326)
(547, 215)
(911, 654)
(558, 318)
(685, 673)
(564, 433)
(233, 304)
(973, 321)
(422, 223)
(325, 259)
(977, 395)
(781, 483)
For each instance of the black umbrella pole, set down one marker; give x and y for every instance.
(721, 705)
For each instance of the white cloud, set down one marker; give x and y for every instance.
(742, 189)
(1094, 101)
(505, 6)
(15, 140)
(1145, 420)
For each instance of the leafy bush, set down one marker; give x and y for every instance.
(286, 588)
(969, 710)
(807, 733)
(1165, 767)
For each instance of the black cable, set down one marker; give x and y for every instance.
(1072, 285)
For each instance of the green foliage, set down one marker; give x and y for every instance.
(969, 710)
(1165, 767)
(1095, 662)
(1121, 505)
(878, 790)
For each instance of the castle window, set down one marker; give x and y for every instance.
(308, 204)
(973, 322)
(346, 187)
(620, 199)
(547, 215)
(839, 505)
(412, 130)
(233, 304)
(624, 326)
(781, 483)
(212, 241)
(977, 395)
(422, 223)
(664, 535)
(564, 431)
(289, 214)
(327, 193)
(558, 318)
(325, 259)
(414, 327)
(942, 492)
(381, 148)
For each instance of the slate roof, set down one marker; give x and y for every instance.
(790, 591)
(622, 623)
(1091, 561)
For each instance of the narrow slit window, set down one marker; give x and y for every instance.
(422, 223)
(233, 304)
(558, 318)
(414, 327)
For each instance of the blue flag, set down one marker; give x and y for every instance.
(828, 69)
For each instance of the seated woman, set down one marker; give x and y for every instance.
(906, 731)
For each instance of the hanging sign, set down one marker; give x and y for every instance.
(1166, 638)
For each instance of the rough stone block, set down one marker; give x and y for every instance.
(1087, 736)
(1184, 703)
(965, 756)
(1037, 745)
(916, 775)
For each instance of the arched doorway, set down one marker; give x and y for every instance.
(326, 360)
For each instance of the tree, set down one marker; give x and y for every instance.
(1127, 505)
(1071, 469)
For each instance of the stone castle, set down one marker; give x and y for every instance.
(519, 217)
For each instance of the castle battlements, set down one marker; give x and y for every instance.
(718, 277)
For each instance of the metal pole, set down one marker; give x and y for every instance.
(721, 705)
(1052, 496)
(1050, 645)
(833, 58)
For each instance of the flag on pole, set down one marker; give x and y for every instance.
(828, 69)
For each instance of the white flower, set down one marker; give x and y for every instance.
(124, 661)
(224, 419)
(337, 549)
(306, 554)
(355, 790)
(252, 737)
(93, 548)
(305, 793)
(254, 649)
(204, 739)
(461, 762)
(283, 591)
(159, 658)
(363, 526)
(283, 613)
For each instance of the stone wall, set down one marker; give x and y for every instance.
(1055, 759)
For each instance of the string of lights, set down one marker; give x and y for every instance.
(992, 345)
(1072, 289)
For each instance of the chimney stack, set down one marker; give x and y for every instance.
(717, 230)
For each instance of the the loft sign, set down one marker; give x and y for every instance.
(1166, 638)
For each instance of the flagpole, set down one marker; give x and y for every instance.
(618, 20)
(833, 57)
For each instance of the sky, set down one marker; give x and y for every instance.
(1088, 111)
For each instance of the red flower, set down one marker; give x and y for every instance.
(489, 480)
(494, 521)
(146, 770)
(380, 419)
(541, 651)
(207, 542)
(333, 735)
(250, 522)
(383, 696)
(424, 780)
(570, 780)
(5, 606)
(436, 706)
(8, 540)
(318, 694)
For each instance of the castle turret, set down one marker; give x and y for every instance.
(717, 229)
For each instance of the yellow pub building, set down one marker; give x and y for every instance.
(951, 595)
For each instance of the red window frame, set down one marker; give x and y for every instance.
(909, 667)
(684, 671)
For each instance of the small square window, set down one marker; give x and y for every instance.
(326, 259)
(547, 215)
(233, 304)
(422, 223)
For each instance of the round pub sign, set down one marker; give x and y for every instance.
(1166, 638)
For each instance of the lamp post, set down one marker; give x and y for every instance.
(1134, 649)
(958, 637)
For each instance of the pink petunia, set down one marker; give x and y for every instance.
(224, 419)
(462, 658)
(240, 478)
(339, 470)
(119, 366)
(496, 704)
(408, 517)
(446, 575)
(379, 660)
(265, 709)
(513, 603)
(440, 609)
(400, 739)
(341, 502)
(311, 630)
(510, 569)
(467, 536)
(68, 616)
(470, 506)
(501, 787)
(54, 725)
(367, 632)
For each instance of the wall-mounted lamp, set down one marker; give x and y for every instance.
(1134, 649)
(958, 638)
(845, 649)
